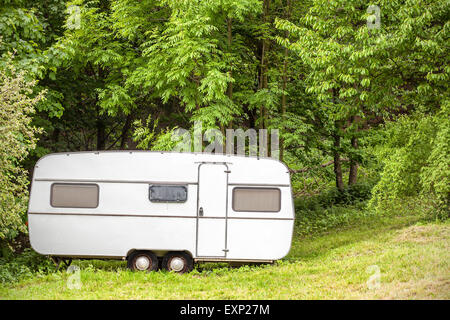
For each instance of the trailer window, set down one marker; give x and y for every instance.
(68, 195)
(256, 199)
(166, 193)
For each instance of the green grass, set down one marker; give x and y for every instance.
(412, 256)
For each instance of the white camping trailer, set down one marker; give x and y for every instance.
(160, 207)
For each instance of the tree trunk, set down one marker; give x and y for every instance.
(285, 77)
(125, 130)
(55, 136)
(230, 71)
(337, 159)
(263, 82)
(353, 174)
(101, 137)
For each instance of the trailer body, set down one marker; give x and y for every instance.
(110, 204)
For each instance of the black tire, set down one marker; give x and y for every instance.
(188, 262)
(136, 259)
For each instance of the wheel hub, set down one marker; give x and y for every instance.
(177, 264)
(142, 263)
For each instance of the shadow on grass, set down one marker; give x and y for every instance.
(314, 246)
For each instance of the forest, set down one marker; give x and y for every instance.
(358, 91)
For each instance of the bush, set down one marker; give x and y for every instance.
(426, 208)
(332, 208)
(26, 265)
(17, 138)
(415, 160)
(328, 198)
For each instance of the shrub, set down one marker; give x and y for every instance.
(332, 208)
(17, 138)
(23, 266)
(350, 195)
(415, 158)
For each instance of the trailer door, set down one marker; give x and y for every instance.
(212, 210)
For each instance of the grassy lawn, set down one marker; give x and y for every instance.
(410, 259)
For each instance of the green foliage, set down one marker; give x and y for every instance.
(147, 138)
(24, 266)
(17, 138)
(331, 197)
(332, 208)
(372, 75)
(142, 133)
(187, 59)
(425, 207)
(415, 159)
(133, 72)
(22, 33)
(435, 175)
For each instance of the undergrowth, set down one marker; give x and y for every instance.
(315, 215)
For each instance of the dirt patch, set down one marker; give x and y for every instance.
(423, 234)
(431, 288)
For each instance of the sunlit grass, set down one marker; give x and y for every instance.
(413, 259)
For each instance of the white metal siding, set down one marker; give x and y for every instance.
(108, 236)
(155, 166)
(125, 218)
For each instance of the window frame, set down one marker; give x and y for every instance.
(253, 188)
(185, 186)
(74, 184)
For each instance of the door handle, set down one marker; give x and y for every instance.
(200, 212)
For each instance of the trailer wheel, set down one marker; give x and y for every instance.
(179, 262)
(142, 261)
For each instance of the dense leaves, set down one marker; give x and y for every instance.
(353, 102)
(17, 138)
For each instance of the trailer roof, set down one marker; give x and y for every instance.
(155, 166)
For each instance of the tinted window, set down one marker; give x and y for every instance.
(68, 195)
(166, 193)
(257, 199)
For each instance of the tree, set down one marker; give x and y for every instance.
(333, 42)
(17, 138)
(414, 154)
(312, 69)
(191, 59)
(360, 75)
